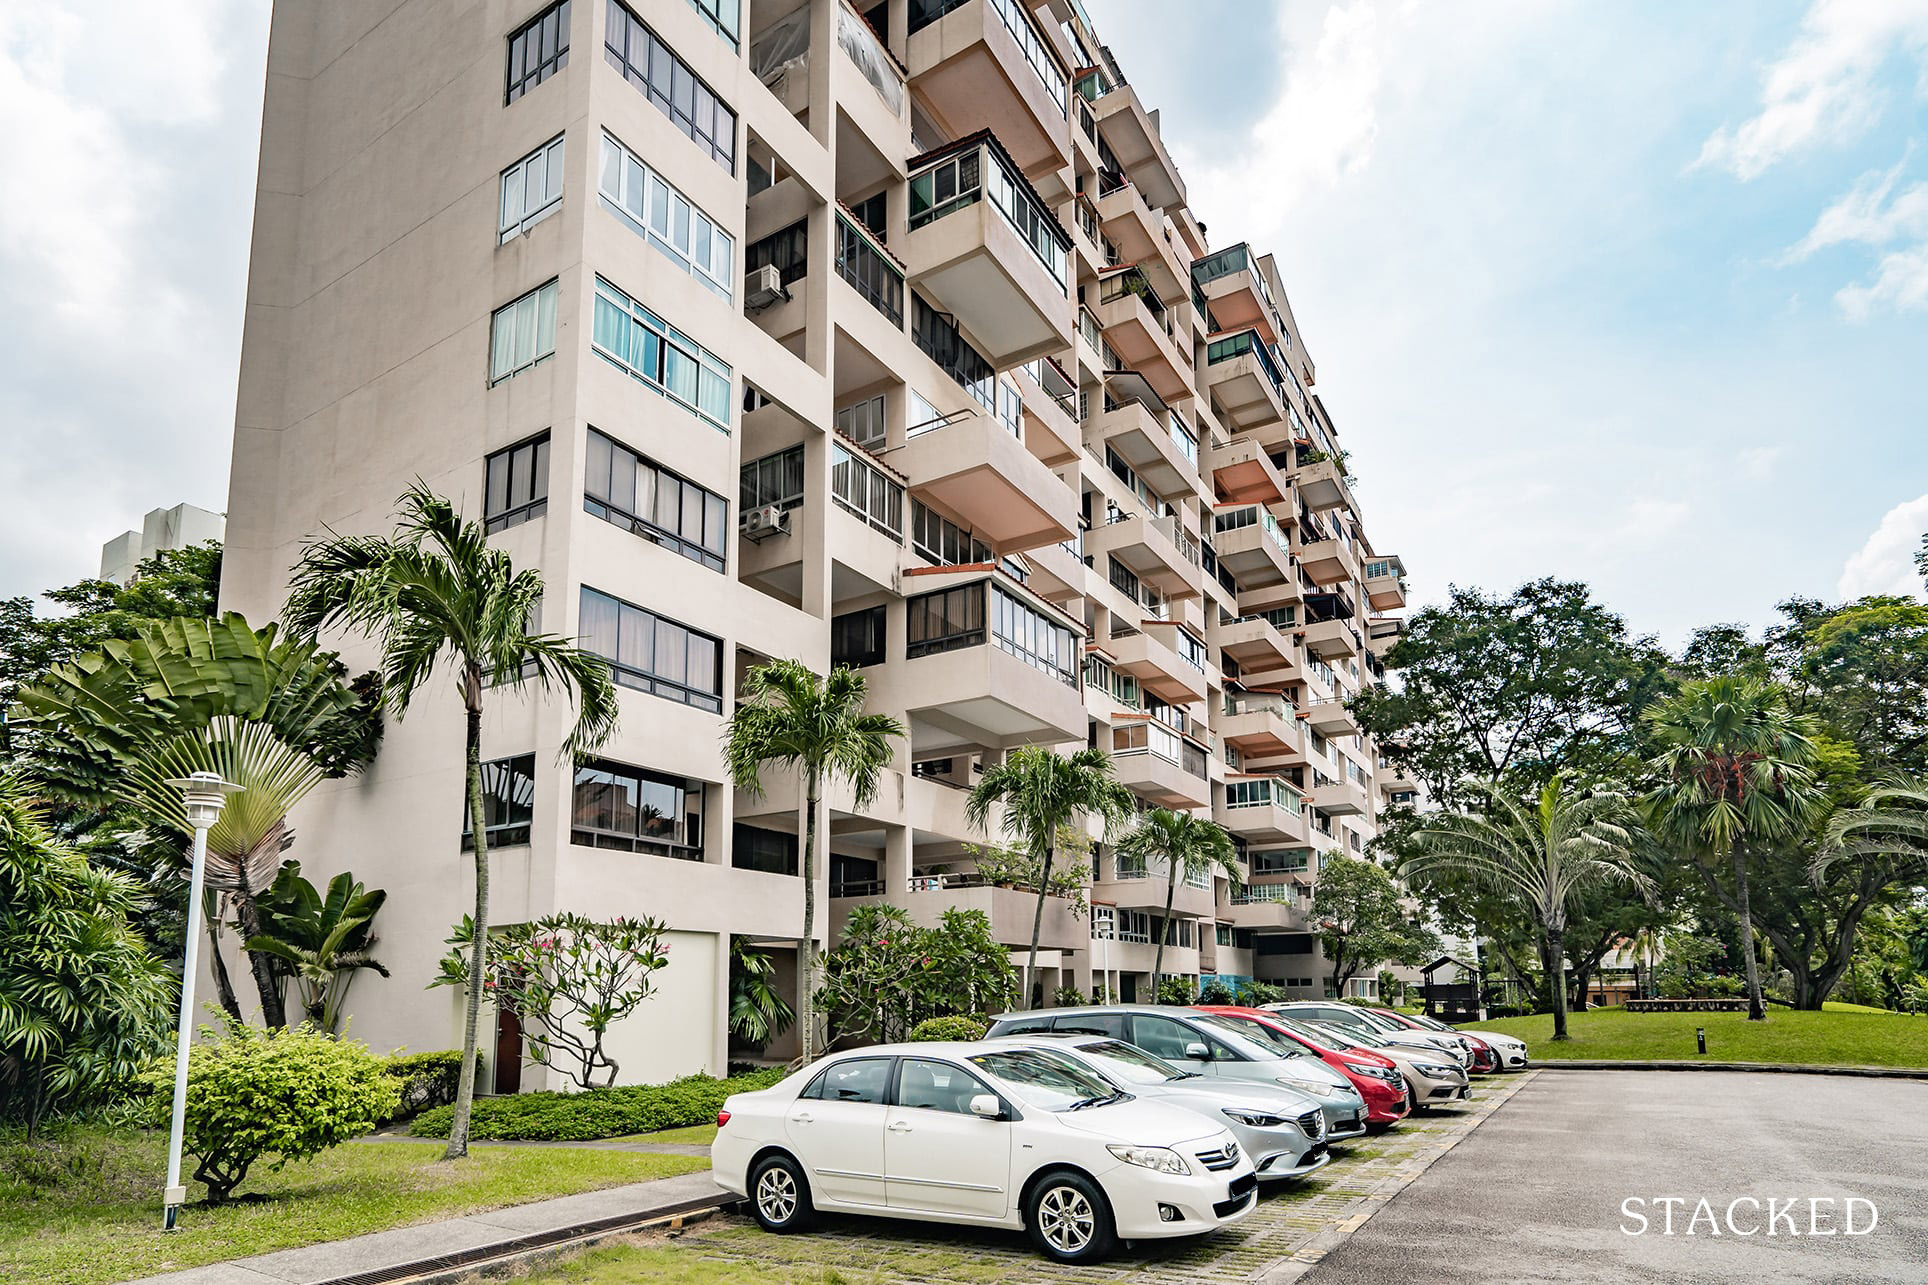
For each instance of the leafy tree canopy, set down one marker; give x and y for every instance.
(1362, 922)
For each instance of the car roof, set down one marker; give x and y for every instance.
(1185, 1010)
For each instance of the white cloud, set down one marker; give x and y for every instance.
(1324, 122)
(1886, 563)
(1873, 214)
(1824, 87)
(1757, 463)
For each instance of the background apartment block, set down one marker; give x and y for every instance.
(777, 327)
(180, 527)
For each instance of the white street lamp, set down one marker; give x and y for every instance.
(205, 792)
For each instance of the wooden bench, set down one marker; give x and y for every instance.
(1685, 1006)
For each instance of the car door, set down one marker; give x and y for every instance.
(1168, 1038)
(938, 1156)
(836, 1126)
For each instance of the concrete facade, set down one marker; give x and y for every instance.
(986, 415)
(180, 527)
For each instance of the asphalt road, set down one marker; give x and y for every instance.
(1536, 1192)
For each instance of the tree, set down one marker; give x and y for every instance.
(1862, 670)
(433, 592)
(1540, 681)
(1042, 790)
(1186, 845)
(83, 1005)
(1735, 769)
(758, 1011)
(817, 728)
(569, 978)
(322, 941)
(1362, 920)
(1540, 856)
(272, 714)
(1011, 867)
(887, 974)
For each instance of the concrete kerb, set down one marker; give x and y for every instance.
(1307, 1256)
(1774, 1068)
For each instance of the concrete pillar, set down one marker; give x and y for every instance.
(899, 844)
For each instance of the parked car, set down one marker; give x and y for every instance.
(1281, 1129)
(980, 1133)
(1378, 1080)
(1483, 1060)
(1431, 1076)
(1207, 1044)
(1349, 1016)
(1510, 1048)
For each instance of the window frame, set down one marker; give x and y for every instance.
(636, 678)
(698, 548)
(511, 833)
(589, 836)
(547, 64)
(514, 515)
(553, 157)
(544, 295)
(716, 271)
(658, 344)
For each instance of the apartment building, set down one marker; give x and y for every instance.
(875, 336)
(180, 527)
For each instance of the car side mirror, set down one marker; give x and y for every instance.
(1197, 1052)
(987, 1106)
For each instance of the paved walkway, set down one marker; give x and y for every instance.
(315, 1263)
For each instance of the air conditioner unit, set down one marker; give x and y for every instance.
(762, 287)
(760, 524)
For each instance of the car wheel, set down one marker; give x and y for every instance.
(1069, 1219)
(779, 1197)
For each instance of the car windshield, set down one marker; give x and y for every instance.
(1244, 1039)
(1348, 1037)
(1322, 1036)
(1049, 1080)
(1252, 1028)
(1129, 1064)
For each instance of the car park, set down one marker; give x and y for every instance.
(1214, 1046)
(1510, 1049)
(982, 1133)
(1431, 1077)
(1282, 1130)
(1481, 1059)
(1352, 1017)
(1379, 1081)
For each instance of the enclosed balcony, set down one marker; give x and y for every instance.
(1158, 764)
(1386, 583)
(1266, 655)
(973, 465)
(1330, 561)
(1253, 546)
(1323, 485)
(1264, 809)
(1241, 374)
(1142, 887)
(1133, 136)
(1147, 434)
(985, 661)
(1138, 329)
(1274, 907)
(983, 64)
(1158, 551)
(985, 250)
(1244, 473)
(1383, 633)
(1151, 655)
(1010, 910)
(1331, 718)
(1262, 726)
(1236, 292)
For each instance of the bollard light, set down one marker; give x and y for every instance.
(205, 793)
(1700, 1037)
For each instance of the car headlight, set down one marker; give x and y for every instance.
(1318, 1087)
(1386, 1073)
(1255, 1118)
(1434, 1071)
(1161, 1159)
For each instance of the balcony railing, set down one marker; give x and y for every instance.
(1232, 347)
(1036, 52)
(869, 270)
(962, 177)
(1261, 894)
(1233, 519)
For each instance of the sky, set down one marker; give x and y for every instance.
(1634, 293)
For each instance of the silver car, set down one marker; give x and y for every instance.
(1282, 1130)
(1350, 1017)
(1213, 1046)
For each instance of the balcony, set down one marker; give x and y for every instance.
(1340, 798)
(983, 248)
(1262, 726)
(1265, 656)
(1151, 656)
(1137, 328)
(1136, 424)
(1331, 718)
(1158, 764)
(1230, 282)
(1243, 473)
(1242, 375)
(975, 467)
(1329, 562)
(1383, 633)
(982, 64)
(1144, 889)
(1323, 486)
(1134, 140)
(1050, 397)
(1392, 778)
(1386, 583)
(1264, 810)
(1010, 910)
(1332, 639)
(1138, 235)
(1158, 552)
(1265, 907)
(1253, 547)
(985, 660)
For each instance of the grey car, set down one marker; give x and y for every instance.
(1213, 1046)
(1282, 1130)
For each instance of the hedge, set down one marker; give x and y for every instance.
(596, 1113)
(426, 1079)
(949, 1028)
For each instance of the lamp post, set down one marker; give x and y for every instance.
(205, 793)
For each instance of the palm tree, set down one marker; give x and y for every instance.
(1041, 790)
(758, 1010)
(1892, 823)
(322, 940)
(1736, 767)
(1189, 845)
(435, 590)
(1540, 856)
(787, 715)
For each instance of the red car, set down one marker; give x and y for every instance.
(1486, 1058)
(1378, 1080)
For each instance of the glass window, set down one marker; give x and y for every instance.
(944, 344)
(863, 422)
(634, 492)
(522, 333)
(642, 343)
(516, 486)
(1163, 1037)
(531, 189)
(650, 653)
(860, 1079)
(538, 49)
(508, 803)
(944, 621)
(775, 479)
(857, 638)
(665, 218)
(1112, 1024)
(864, 492)
(929, 1085)
(636, 810)
(787, 250)
(669, 83)
(755, 848)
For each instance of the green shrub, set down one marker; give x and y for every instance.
(948, 1028)
(290, 1094)
(596, 1113)
(1177, 991)
(425, 1079)
(1215, 992)
(1069, 997)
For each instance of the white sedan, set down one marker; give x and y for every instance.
(980, 1133)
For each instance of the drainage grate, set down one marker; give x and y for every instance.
(535, 1240)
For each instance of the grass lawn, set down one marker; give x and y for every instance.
(87, 1208)
(1842, 1035)
(700, 1135)
(749, 1257)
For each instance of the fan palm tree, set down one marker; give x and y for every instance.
(1539, 856)
(272, 714)
(1041, 790)
(1189, 845)
(323, 941)
(787, 715)
(434, 591)
(1735, 768)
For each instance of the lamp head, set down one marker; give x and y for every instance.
(205, 793)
